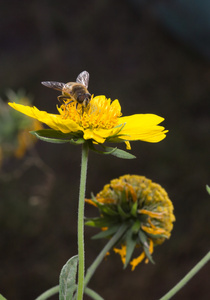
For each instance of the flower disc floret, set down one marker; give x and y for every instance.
(143, 205)
(99, 113)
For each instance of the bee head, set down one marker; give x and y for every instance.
(84, 99)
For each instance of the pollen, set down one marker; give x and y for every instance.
(99, 113)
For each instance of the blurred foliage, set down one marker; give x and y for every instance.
(15, 139)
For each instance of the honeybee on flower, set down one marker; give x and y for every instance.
(73, 91)
(93, 119)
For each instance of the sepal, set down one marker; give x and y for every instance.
(143, 239)
(120, 153)
(107, 233)
(113, 151)
(100, 222)
(131, 241)
(57, 137)
(134, 209)
(122, 213)
(106, 209)
(148, 255)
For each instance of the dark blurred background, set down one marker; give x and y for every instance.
(154, 57)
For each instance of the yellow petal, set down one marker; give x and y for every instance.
(99, 135)
(54, 121)
(143, 127)
(121, 252)
(137, 261)
(157, 215)
(154, 230)
(151, 249)
(90, 202)
(128, 145)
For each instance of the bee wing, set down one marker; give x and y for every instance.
(83, 78)
(54, 85)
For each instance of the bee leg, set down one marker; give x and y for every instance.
(82, 108)
(62, 98)
(69, 102)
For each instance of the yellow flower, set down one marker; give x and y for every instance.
(141, 204)
(100, 121)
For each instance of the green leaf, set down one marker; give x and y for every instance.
(208, 189)
(130, 246)
(106, 233)
(120, 153)
(67, 281)
(58, 137)
(2, 297)
(113, 151)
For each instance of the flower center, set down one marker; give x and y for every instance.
(99, 113)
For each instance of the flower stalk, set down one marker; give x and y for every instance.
(81, 254)
(187, 278)
(54, 290)
(91, 270)
(49, 293)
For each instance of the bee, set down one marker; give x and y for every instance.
(73, 91)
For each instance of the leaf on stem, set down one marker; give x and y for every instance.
(113, 151)
(120, 153)
(67, 281)
(57, 137)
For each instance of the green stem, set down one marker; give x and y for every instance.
(180, 285)
(81, 255)
(93, 294)
(100, 257)
(54, 290)
(91, 270)
(81, 250)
